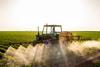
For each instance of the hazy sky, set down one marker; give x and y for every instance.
(28, 14)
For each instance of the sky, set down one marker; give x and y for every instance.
(27, 15)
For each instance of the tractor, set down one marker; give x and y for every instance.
(50, 33)
(53, 34)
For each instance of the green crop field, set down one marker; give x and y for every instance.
(16, 36)
(28, 36)
(95, 35)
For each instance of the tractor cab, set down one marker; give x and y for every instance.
(52, 29)
(49, 32)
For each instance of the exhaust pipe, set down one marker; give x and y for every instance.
(38, 31)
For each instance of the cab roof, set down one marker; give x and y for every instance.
(52, 26)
